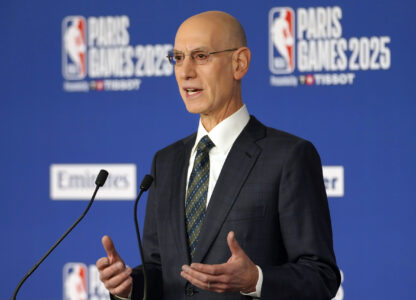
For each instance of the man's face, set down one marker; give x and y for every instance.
(210, 88)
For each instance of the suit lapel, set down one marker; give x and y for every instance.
(177, 200)
(237, 167)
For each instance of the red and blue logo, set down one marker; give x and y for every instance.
(74, 47)
(75, 281)
(281, 40)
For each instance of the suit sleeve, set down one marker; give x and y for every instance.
(311, 271)
(150, 249)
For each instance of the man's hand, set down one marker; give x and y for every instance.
(238, 274)
(113, 272)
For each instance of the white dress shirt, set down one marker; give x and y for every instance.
(223, 135)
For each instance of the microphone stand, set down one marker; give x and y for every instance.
(146, 183)
(101, 178)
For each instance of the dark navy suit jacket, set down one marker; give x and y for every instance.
(270, 193)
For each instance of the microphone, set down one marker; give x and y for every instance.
(101, 178)
(144, 186)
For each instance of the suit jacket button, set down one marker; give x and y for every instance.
(189, 289)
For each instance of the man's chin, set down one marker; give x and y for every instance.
(194, 109)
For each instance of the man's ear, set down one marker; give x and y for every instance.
(241, 62)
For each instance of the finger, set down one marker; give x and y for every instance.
(219, 287)
(123, 290)
(204, 277)
(233, 244)
(202, 284)
(102, 263)
(210, 269)
(192, 280)
(110, 249)
(195, 274)
(117, 280)
(112, 271)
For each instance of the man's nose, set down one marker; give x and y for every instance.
(187, 69)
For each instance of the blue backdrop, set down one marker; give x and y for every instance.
(86, 82)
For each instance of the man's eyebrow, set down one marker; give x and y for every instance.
(193, 50)
(200, 49)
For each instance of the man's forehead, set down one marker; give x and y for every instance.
(190, 39)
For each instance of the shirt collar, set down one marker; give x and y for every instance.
(226, 132)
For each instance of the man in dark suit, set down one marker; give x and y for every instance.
(236, 210)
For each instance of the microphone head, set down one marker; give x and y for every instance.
(101, 178)
(146, 182)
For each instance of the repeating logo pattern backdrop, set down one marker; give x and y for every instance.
(86, 86)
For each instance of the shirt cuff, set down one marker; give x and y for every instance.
(257, 292)
(121, 298)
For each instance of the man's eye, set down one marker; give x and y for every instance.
(200, 56)
(178, 57)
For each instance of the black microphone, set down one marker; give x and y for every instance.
(101, 178)
(144, 186)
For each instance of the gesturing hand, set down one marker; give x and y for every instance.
(238, 274)
(113, 272)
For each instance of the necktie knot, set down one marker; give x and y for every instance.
(205, 144)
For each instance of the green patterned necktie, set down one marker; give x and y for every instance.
(196, 196)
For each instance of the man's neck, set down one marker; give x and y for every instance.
(209, 121)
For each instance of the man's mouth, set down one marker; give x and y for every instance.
(192, 91)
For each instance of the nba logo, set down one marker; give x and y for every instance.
(281, 40)
(74, 47)
(75, 281)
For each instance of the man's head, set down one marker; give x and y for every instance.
(213, 88)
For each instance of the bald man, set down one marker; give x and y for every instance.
(237, 209)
